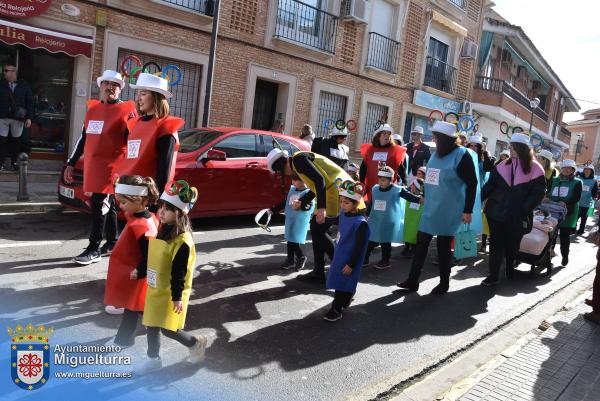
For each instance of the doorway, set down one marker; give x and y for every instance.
(265, 104)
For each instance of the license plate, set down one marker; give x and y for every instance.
(67, 192)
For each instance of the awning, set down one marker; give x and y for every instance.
(448, 23)
(532, 71)
(38, 38)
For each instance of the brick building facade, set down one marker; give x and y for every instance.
(278, 61)
(585, 139)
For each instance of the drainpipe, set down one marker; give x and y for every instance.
(211, 65)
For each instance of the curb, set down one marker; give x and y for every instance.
(30, 207)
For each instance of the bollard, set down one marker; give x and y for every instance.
(23, 161)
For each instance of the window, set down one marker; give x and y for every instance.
(192, 140)
(200, 6)
(376, 113)
(269, 144)
(332, 107)
(184, 103)
(439, 74)
(238, 146)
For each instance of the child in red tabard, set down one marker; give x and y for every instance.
(134, 194)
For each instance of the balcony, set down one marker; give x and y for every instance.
(497, 85)
(383, 53)
(564, 135)
(440, 75)
(459, 3)
(304, 24)
(200, 6)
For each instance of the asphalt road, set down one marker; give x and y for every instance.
(267, 338)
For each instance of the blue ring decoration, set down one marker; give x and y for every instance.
(177, 72)
(536, 137)
(329, 123)
(469, 127)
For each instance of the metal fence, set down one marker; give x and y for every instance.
(184, 103)
(376, 113)
(306, 24)
(440, 75)
(199, 6)
(383, 53)
(332, 107)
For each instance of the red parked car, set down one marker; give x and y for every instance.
(227, 165)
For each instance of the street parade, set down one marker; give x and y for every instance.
(279, 246)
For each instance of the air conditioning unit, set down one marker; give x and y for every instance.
(466, 107)
(354, 10)
(469, 49)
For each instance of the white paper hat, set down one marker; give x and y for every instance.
(131, 190)
(476, 139)
(505, 153)
(590, 166)
(176, 201)
(569, 163)
(386, 171)
(519, 137)
(274, 155)
(397, 138)
(152, 83)
(442, 127)
(418, 130)
(339, 132)
(383, 127)
(352, 168)
(112, 76)
(546, 154)
(354, 195)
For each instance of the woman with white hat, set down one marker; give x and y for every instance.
(567, 188)
(153, 140)
(546, 159)
(418, 152)
(334, 147)
(486, 162)
(450, 190)
(504, 155)
(381, 150)
(515, 188)
(589, 194)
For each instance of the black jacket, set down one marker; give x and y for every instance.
(22, 97)
(419, 159)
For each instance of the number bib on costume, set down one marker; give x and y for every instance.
(560, 192)
(133, 148)
(292, 199)
(433, 176)
(151, 278)
(380, 156)
(380, 205)
(94, 127)
(414, 206)
(586, 188)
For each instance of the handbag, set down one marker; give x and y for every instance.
(465, 243)
(16, 112)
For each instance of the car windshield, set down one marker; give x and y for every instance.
(191, 140)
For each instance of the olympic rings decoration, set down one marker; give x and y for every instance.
(470, 123)
(338, 182)
(329, 124)
(170, 72)
(350, 186)
(509, 130)
(341, 124)
(179, 187)
(431, 119)
(451, 114)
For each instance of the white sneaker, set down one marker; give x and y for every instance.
(197, 350)
(149, 366)
(111, 310)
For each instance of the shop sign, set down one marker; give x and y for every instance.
(23, 8)
(433, 102)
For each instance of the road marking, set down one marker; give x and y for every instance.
(25, 244)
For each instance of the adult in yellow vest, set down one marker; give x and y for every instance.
(320, 175)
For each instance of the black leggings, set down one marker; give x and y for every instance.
(564, 235)
(154, 339)
(386, 250)
(293, 248)
(444, 256)
(322, 244)
(103, 225)
(583, 215)
(126, 333)
(341, 299)
(504, 245)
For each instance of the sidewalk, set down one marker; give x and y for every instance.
(42, 195)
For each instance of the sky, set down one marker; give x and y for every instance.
(567, 34)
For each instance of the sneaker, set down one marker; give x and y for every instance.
(111, 310)
(149, 366)
(565, 261)
(409, 285)
(348, 304)
(333, 315)
(197, 350)
(440, 289)
(123, 346)
(288, 264)
(312, 277)
(107, 249)
(87, 257)
(300, 263)
(490, 281)
(589, 302)
(382, 265)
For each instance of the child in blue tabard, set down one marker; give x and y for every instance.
(350, 249)
(386, 215)
(297, 221)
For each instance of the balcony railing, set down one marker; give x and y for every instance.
(459, 3)
(440, 75)
(498, 85)
(383, 53)
(307, 25)
(199, 6)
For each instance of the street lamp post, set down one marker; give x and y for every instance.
(534, 103)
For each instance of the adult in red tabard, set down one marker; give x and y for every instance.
(153, 141)
(102, 143)
(382, 149)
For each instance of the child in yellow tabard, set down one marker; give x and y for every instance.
(171, 261)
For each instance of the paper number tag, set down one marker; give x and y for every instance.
(293, 198)
(414, 206)
(433, 176)
(151, 277)
(380, 205)
(564, 191)
(133, 148)
(380, 156)
(586, 188)
(555, 191)
(94, 127)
